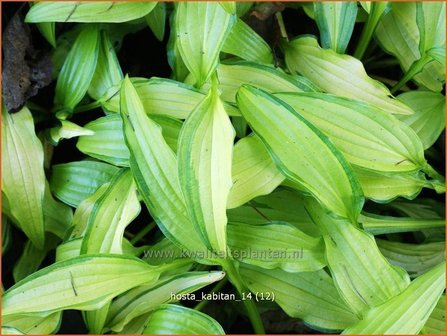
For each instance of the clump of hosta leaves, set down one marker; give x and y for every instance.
(299, 176)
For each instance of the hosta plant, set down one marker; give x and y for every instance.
(285, 175)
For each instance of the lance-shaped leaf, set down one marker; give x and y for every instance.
(342, 75)
(436, 322)
(110, 215)
(108, 142)
(108, 70)
(383, 188)
(107, 11)
(23, 177)
(244, 42)
(48, 30)
(179, 69)
(154, 167)
(310, 296)
(205, 154)
(67, 130)
(33, 324)
(78, 69)
(172, 320)
(201, 28)
(144, 299)
(69, 285)
(292, 250)
(163, 96)
(321, 169)
(398, 34)
(428, 121)
(407, 312)
(361, 273)
(253, 170)
(156, 20)
(75, 181)
(416, 259)
(377, 224)
(335, 21)
(229, 6)
(367, 136)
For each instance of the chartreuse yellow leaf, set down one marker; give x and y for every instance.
(416, 259)
(367, 136)
(322, 169)
(84, 283)
(204, 159)
(436, 322)
(106, 11)
(32, 324)
(407, 312)
(23, 177)
(146, 298)
(244, 42)
(163, 96)
(335, 21)
(428, 121)
(110, 215)
(108, 70)
(430, 19)
(78, 70)
(201, 29)
(173, 319)
(154, 167)
(67, 130)
(253, 170)
(398, 34)
(342, 75)
(362, 275)
(291, 250)
(108, 142)
(310, 296)
(75, 181)
(229, 6)
(156, 20)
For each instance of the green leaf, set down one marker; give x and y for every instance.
(383, 188)
(173, 319)
(6, 230)
(201, 28)
(204, 160)
(33, 325)
(111, 213)
(436, 322)
(407, 312)
(84, 283)
(428, 121)
(398, 34)
(163, 96)
(69, 249)
(367, 136)
(310, 296)
(154, 166)
(287, 136)
(291, 250)
(144, 299)
(244, 42)
(78, 69)
(335, 21)
(31, 258)
(107, 11)
(48, 30)
(233, 75)
(361, 273)
(342, 75)
(254, 172)
(430, 19)
(156, 20)
(23, 177)
(75, 181)
(229, 6)
(67, 130)
(416, 259)
(108, 70)
(377, 224)
(179, 69)
(243, 7)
